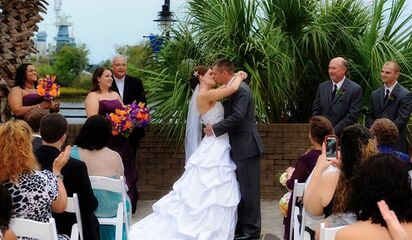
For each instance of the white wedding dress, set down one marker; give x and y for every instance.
(202, 204)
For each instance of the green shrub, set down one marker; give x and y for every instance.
(71, 92)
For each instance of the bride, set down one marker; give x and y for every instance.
(202, 204)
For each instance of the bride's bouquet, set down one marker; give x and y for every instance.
(124, 120)
(48, 88)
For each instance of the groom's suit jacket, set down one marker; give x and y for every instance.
(397, 108)
(133, 91)
(344, 109)
(240, 124)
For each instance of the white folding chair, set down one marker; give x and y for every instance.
(296, 229)
(34, 229)
(75, 232)
(116, 186)
(328, 233)
(74, 207)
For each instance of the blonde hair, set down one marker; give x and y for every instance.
(16, 151)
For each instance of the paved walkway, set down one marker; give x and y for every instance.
(272, 219)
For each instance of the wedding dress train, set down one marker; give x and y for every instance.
(202, 204)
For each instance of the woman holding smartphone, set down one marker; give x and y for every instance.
(328, 187)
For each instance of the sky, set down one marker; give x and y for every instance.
(104, 24)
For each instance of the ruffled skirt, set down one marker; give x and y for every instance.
(202, 204)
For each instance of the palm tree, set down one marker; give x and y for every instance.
(284, 45)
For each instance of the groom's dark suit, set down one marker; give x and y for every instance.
(240, 124)
(397, 108)
(344, 109)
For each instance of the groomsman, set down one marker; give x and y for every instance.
(391, 101)
(130, 89)
(338, 99)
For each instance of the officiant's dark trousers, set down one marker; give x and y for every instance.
(248, 176)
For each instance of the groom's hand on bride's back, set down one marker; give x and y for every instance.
(208, 130)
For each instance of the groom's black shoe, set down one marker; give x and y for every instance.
(246, 237)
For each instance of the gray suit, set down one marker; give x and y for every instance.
(344, 109)
(397, 108)
(240, 124)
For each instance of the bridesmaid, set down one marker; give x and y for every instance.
(23, 97)
(102, 100)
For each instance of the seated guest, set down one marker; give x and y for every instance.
(319, 128)
(328, 190)
(23, 97)
(33, 118)
(5, 214)
(386, 135)
(35, 194)
(381, 177)
(92, 148)
(53, 129)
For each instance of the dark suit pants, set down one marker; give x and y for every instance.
(248, 176)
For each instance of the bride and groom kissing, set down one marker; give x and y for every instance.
(218, 195)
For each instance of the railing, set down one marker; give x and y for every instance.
(74, 112)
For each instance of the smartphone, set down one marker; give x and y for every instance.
(331, 142)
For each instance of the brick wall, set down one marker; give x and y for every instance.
(160, 163)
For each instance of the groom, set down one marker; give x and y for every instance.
(240, 124)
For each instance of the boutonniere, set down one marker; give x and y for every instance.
(340, 92)
(391, 98)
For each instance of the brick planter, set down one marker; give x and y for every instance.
(160, 163)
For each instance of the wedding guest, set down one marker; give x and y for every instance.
(5, 214)
(23, 97)
(35, 194)
(394, 227)
(102, 100)
(328, 187)
(33, 118)
(319, 128)
(382, 176)
(386, 135)
(53, 130)
(92, 148)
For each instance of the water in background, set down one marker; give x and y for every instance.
(73, 111)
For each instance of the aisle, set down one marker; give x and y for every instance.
(272, 220)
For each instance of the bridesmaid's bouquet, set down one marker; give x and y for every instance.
(124, 120)
(140, 114)
(48, 88)
(121, 122)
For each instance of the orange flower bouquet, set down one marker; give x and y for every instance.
(124, 120)
(48, 88)
(121, 122)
